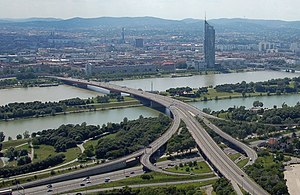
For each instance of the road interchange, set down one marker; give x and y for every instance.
(187, 113)
(208, 146)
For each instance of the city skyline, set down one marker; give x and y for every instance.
(269, 9)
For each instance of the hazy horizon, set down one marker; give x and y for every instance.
(167, 9)
(142, 17)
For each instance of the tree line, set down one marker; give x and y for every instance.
(28, 168)
(277, 86)
(37, 108)
(284, 115)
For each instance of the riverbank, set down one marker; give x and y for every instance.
(13, 82)
(97, 107)
(184, 73)
(213, 95)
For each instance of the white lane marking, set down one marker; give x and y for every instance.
(192, 113)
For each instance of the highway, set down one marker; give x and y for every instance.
(187, 113)
(65, 186)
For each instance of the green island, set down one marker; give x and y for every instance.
(74, 105)
(24, 80)
(238, 90)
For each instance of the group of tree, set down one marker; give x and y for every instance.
(187, 91)
(20, 81)
(169, 190)
(284, 115)
(132, 136)
(67, 136)
(241, 129)
(223, 187)
(267, 171)
(286, 144)
(37, 108)
(274, 86)
(179, 91)
(180, 142)
(32, 167)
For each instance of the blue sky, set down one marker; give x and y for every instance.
(171, 9)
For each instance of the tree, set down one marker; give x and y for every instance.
(2, 136)
(23, 160)
(19, 136)
(257, 104)
(26, 134)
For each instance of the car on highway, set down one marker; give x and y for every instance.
(87, 178)
(132, 173)
(107, 179)
(49, 186)
(49, 190)
(82, 184)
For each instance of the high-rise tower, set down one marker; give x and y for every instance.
(209, 45)
(123, 35)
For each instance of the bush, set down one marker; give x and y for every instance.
(147, 177)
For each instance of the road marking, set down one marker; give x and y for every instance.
(192, 113)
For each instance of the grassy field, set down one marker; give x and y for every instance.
(243, 162)
(196, 185)
(235, 156)
(71, 154)
(43, 152)
(157, 178)
(201, 167)
(13, 143)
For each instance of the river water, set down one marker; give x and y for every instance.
(162, 84)
(12, 128)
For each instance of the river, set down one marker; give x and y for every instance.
(162, 84)
(43, 94)
(268, 101)
(12, 128)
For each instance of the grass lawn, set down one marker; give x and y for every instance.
(43, 152)
(187, 185)
(157, 178)
(201, 167)
(235, 156)
(71, 154)
(243, 162)
(13, 143)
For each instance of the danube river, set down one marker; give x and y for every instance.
(12, 128)
(162, 84)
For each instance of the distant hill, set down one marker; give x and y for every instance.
(236, 24)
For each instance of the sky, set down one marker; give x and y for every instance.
(169, 9)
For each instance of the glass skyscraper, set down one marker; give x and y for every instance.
(209, 45)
